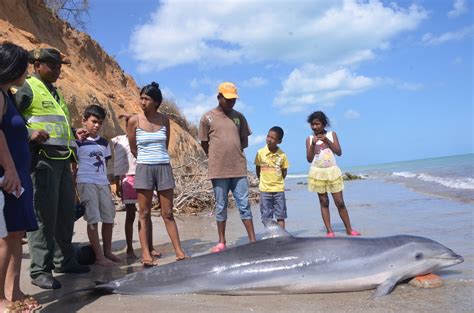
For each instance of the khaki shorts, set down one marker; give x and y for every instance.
(98, 202)
(3, 226)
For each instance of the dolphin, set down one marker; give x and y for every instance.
(283, 264)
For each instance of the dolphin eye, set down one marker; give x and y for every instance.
(419, 256)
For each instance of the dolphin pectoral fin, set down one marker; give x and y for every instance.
(385, 288)
(273, 230)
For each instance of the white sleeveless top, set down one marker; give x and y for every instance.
(323, 157)
(151, 146)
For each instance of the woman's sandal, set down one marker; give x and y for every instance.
(16, 307)
(183, 258)
(330, 235)
(149, 263)
(31, 303)
(156, 254)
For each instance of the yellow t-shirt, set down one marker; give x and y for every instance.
(271, 164)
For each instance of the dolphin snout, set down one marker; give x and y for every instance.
(453, 257)
(458, 258)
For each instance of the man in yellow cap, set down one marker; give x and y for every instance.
(223, 133)
(52, 145)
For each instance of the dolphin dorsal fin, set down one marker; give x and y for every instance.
(273, 230)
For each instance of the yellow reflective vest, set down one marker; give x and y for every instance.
(46, 113)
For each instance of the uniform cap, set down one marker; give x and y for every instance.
(46, 55)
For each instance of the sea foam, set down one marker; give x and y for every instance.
(466, 183)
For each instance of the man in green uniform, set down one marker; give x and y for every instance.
(52, 142)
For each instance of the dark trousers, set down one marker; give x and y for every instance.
(50, 246)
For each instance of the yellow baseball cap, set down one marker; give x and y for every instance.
(228, 90)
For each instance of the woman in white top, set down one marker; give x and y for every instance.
(324, 175)
(148, 135)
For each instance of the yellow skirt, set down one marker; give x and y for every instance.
(324, 180)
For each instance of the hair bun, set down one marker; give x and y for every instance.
(154, 84)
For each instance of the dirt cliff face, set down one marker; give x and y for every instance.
(93, 76)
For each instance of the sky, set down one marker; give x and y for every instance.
(395, 78)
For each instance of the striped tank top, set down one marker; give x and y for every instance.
(151, 146)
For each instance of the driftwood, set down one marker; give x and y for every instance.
(193, 192)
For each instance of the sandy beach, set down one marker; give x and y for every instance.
(376, 208)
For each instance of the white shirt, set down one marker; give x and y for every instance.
(124, 161)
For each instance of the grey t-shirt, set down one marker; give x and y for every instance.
(227, 135)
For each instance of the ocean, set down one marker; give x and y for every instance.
(449, 177)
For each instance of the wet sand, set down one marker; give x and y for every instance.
(376, 209)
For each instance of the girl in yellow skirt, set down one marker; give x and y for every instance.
(324, 175)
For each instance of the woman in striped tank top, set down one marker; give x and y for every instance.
(148, 135)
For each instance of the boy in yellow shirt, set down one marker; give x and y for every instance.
(271, 165)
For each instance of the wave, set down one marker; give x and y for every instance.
(404, 174)
(466, 183)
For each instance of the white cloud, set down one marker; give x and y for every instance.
(311, 85)
(459, 8)
(257, 139)
(194, 108)
(204, 82)
(333, 32)
(254, 82)
(351, 115)
(430, 39)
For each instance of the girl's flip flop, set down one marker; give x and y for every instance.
(219, 247)
(355, 233)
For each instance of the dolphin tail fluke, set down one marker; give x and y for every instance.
(104, 288)
(100, 287)
(385, 288)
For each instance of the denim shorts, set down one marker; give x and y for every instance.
(240, 190)
(272, 204)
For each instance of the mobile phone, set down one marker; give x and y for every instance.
(14, 192)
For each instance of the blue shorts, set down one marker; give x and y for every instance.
(240, 190)
(272, 204)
